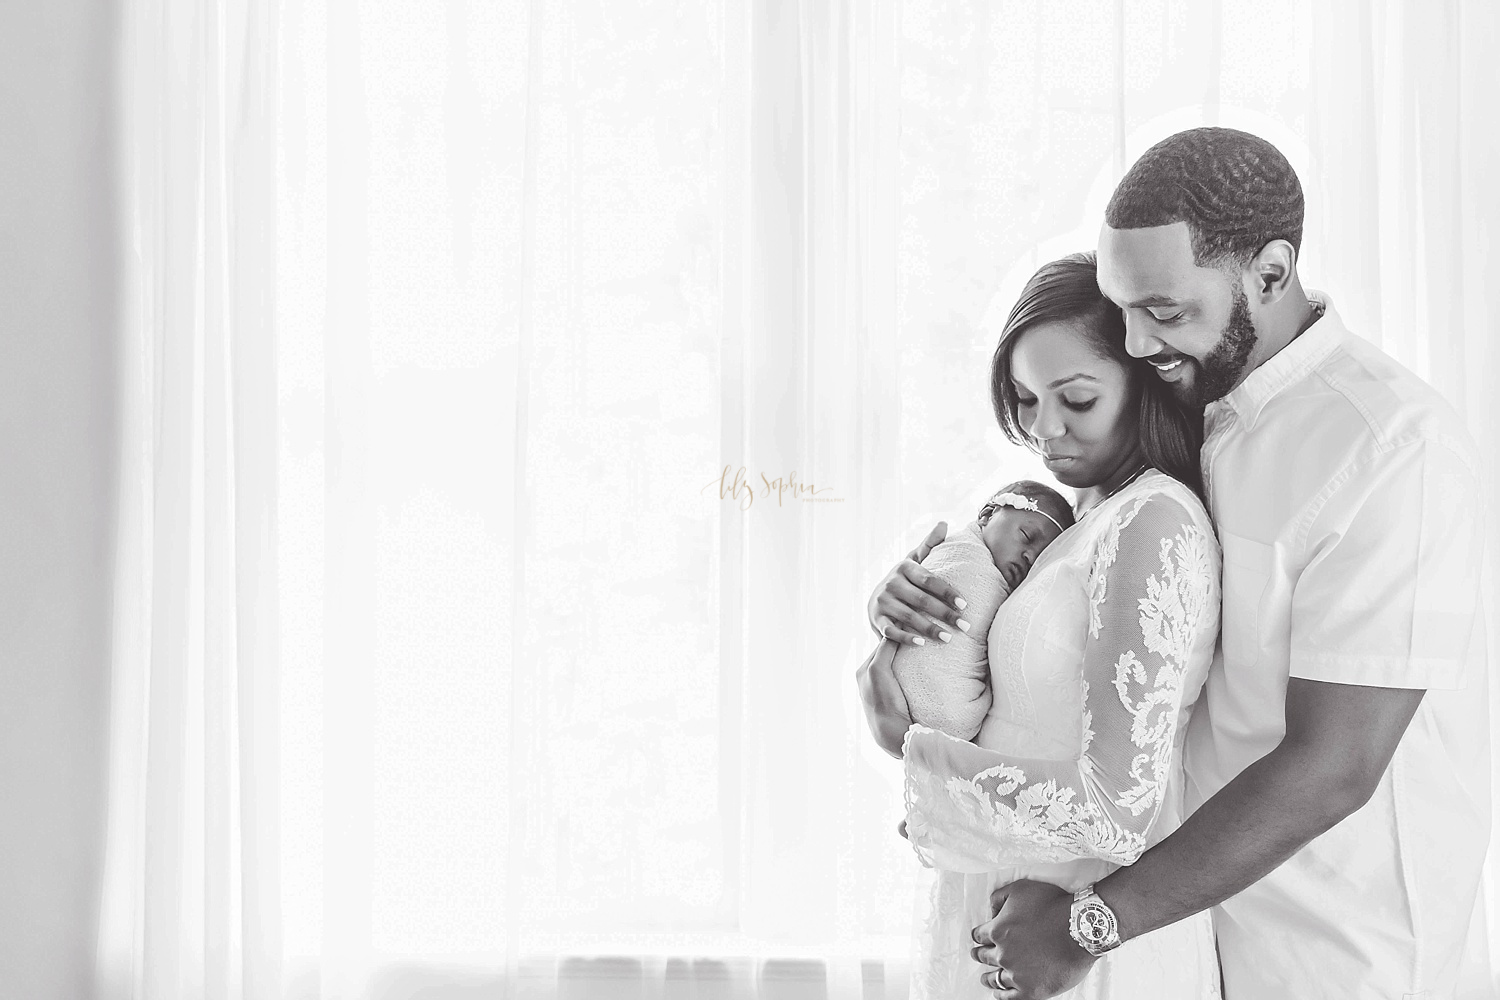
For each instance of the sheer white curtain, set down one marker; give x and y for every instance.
(449, 659)
(190, 905)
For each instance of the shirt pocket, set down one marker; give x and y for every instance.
(1247, 570)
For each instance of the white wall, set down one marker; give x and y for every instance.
(57, 300)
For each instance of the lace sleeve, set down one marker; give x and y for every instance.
(1153, 593)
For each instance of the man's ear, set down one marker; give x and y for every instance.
(1271, 271)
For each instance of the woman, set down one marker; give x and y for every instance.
(1095, 660)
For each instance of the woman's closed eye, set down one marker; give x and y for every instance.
(1079, 405)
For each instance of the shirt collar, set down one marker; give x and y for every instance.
(1286, 366)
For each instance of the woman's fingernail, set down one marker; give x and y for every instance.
(920, 641)
(944, 636)
(962, 624)
(961, 603)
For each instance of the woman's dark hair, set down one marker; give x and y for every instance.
(1067, 291)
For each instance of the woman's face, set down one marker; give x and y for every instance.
(1077, 407)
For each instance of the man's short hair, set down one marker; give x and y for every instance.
(1235, 191)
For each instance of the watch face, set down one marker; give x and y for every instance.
(1094, 927)
(1094, 924)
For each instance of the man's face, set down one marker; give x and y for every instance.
(1193, 324)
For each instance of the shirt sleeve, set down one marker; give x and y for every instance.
(1153, 605)
(1390, 592)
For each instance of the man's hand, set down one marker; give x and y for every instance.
(1027, 945)
(885, 704)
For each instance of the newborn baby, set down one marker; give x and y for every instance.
(947, 683)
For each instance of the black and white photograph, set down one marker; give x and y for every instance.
(750, 500)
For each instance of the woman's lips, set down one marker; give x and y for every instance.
(1053, 461)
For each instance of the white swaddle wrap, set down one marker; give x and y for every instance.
(947, 683)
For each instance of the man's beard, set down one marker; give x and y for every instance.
(1217, 373)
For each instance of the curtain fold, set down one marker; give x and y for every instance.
(190, 904)
(520, 401)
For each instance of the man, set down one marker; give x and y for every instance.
(1338, 762)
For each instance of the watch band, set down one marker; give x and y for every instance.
(1092, 923)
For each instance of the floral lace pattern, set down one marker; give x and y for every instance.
(1152, 601)
(1172, 612)
(1126, 613)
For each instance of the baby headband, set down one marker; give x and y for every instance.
(1019, 502)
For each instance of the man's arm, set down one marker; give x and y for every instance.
(1402, 532)
(1339, 740)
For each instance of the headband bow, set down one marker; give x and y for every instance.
(1019, 502)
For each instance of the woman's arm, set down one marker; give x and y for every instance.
(886, 710)
(1153, 601)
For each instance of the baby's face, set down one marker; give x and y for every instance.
(1015, 538)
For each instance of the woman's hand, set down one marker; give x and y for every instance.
(912, 602)
(886, 710)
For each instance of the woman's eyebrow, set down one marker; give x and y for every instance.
(1071, 378)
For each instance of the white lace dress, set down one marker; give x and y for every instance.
(1096, 661)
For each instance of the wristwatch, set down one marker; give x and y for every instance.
(1093, 924)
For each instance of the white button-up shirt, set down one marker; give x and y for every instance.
(1346, 495)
